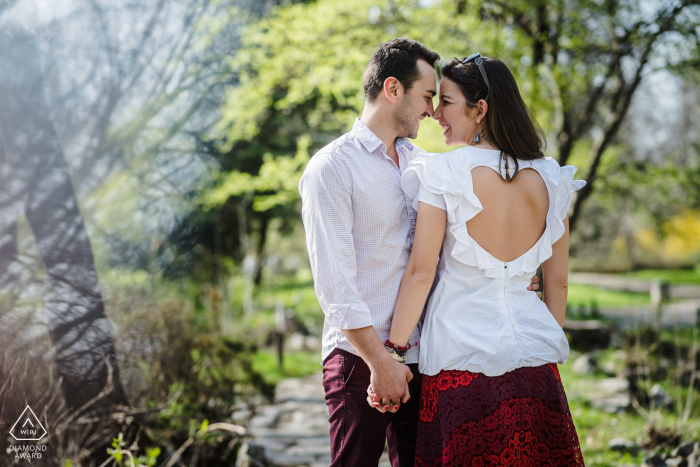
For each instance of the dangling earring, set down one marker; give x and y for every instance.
(477, 138)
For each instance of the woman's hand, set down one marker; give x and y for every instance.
(384, 405)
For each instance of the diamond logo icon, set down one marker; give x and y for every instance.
(28, 427)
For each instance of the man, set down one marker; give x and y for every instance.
(359, 232)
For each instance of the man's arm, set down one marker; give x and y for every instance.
(328, 220)
(389, 380)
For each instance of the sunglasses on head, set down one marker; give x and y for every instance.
(477, 59)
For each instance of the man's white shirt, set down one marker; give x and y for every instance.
(359, 232)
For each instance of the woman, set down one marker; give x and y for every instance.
(497, 208)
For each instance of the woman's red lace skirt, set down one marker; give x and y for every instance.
(521, 419)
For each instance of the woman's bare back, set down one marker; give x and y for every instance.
(514, 214)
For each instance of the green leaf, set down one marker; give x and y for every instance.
(203, 426)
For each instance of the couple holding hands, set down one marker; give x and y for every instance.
(470, 378)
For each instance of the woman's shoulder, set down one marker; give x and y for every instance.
(438, 172)
(547, 163)
(436, 163)
(557, 175)
(455, 162)
(440, 157)
(561, 184)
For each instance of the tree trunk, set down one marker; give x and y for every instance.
(262, 239)
(36, 182)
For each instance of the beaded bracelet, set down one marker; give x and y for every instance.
(388, 343)
(398, 355)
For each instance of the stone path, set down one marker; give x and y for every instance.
(295, 431)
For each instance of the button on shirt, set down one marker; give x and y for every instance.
(481, 317)
(359, 232)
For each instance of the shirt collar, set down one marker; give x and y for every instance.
(369, 140)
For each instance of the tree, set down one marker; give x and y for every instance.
(79, 102)
(299, 86)
(579, 64)
(36, 183)
(597, 54)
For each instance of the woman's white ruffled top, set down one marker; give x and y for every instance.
(481, 317)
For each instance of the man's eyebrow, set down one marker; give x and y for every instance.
(432, 93)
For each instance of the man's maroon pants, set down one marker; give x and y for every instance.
(358, 431)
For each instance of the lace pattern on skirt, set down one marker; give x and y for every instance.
(521, 419)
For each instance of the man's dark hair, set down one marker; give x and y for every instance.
(397, 58)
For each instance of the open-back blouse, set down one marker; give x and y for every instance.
(481, 317)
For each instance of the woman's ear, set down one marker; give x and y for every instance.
(483, 108)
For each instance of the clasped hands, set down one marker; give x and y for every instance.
(388, 387)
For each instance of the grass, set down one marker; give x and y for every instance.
(596, 428)
(296, 364)
(673, 276)
(587, 295)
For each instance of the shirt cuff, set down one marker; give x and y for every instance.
(349, 315)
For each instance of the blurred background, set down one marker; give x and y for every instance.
(154, 282)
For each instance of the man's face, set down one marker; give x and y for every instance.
(416, 103)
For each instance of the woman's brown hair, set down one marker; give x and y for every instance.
(508, 125)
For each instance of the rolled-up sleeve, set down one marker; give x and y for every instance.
(326, 194)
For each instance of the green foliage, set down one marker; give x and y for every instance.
(596, 427)
(301, 87)
(575, 64)
(296, 292)
(668, 275)
(624, 222)
(118, 453)
(189, 370)
(296, 364)
(116, 450)
(586, 295)
(275, 185)
(151, 457)
(308, 80)
(213, 371)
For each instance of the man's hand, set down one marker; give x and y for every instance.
(389, 385)
(374, 401)
(535, 285)
(389, 378)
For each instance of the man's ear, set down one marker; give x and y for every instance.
(393, 90)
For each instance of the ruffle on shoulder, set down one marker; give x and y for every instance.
(560, 183)
(449, 175)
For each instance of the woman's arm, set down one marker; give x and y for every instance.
(555, 277)
(419, 273)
